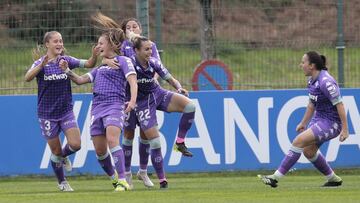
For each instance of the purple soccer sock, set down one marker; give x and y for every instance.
(57, 165)
(144, 152)
(105, 163)
(290, 159)
(157, 161)
(119, 161)
(184, 125)
(127, 147)
(321, 164)
(67, 150)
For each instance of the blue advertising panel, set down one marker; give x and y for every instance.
(233, 130)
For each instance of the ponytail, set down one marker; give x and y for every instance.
(111, 30)
(317, 59)
(323, 58)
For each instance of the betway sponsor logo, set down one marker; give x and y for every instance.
(145, 80)
(62, 76)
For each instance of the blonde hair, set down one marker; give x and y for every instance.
(40, 49)
(110, 30)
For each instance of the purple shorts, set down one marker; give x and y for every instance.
(130, 121)
(51, 128)
(103, 116)
(146, 107)
(324, 129)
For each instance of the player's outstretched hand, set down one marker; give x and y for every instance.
(63, 64)
(45, 60)
(183, 92)
(344, 134)
(130, 106)
(300, 127)
(113, 63)
(95, 51)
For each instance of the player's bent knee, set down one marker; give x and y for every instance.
(309, 154)
(190, 107)
(155, 143)
(113, 142)
(100, 152)
(129, 134)
(298, 142)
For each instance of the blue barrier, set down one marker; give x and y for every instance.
(233, 130)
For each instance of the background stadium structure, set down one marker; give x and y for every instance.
(261, 41)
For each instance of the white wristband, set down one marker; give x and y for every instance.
(67, 70)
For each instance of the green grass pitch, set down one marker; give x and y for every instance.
(299, 186)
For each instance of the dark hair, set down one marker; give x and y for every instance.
(317, 59)
(124, 22)
(137, 41)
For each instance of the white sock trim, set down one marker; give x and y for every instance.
(114, 149)
(56, 159)
(313, 159)
(102, 157)
(143, 170)
(296, 149)
(328, 177)
(278, 175)
(143, 141)
(127, 142)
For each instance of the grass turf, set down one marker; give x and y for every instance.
(299, 186)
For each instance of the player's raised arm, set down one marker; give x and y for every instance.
(91, 62)
(310, 109)
(133, 92)
(176, 84)
(35, 69)
(79, 80)
(344, 134)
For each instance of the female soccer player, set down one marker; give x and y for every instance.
(55, 108)
(328, 122)
(133, 29)
(152, 97)
(108, 107)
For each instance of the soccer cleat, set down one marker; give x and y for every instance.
(142, 175)
(119, 188)
(128, 177)
(333, 181)
(67, 164)
(180, 147)
(164, 184)
(114, 179)
(268, 180)
(65, 187)
(122, 185)
(332, 184)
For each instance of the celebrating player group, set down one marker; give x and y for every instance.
(126, 94)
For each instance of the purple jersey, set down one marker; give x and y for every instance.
(145, 76)
(109, 83)
(54, 88)
(324, 93)
(128, 50)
